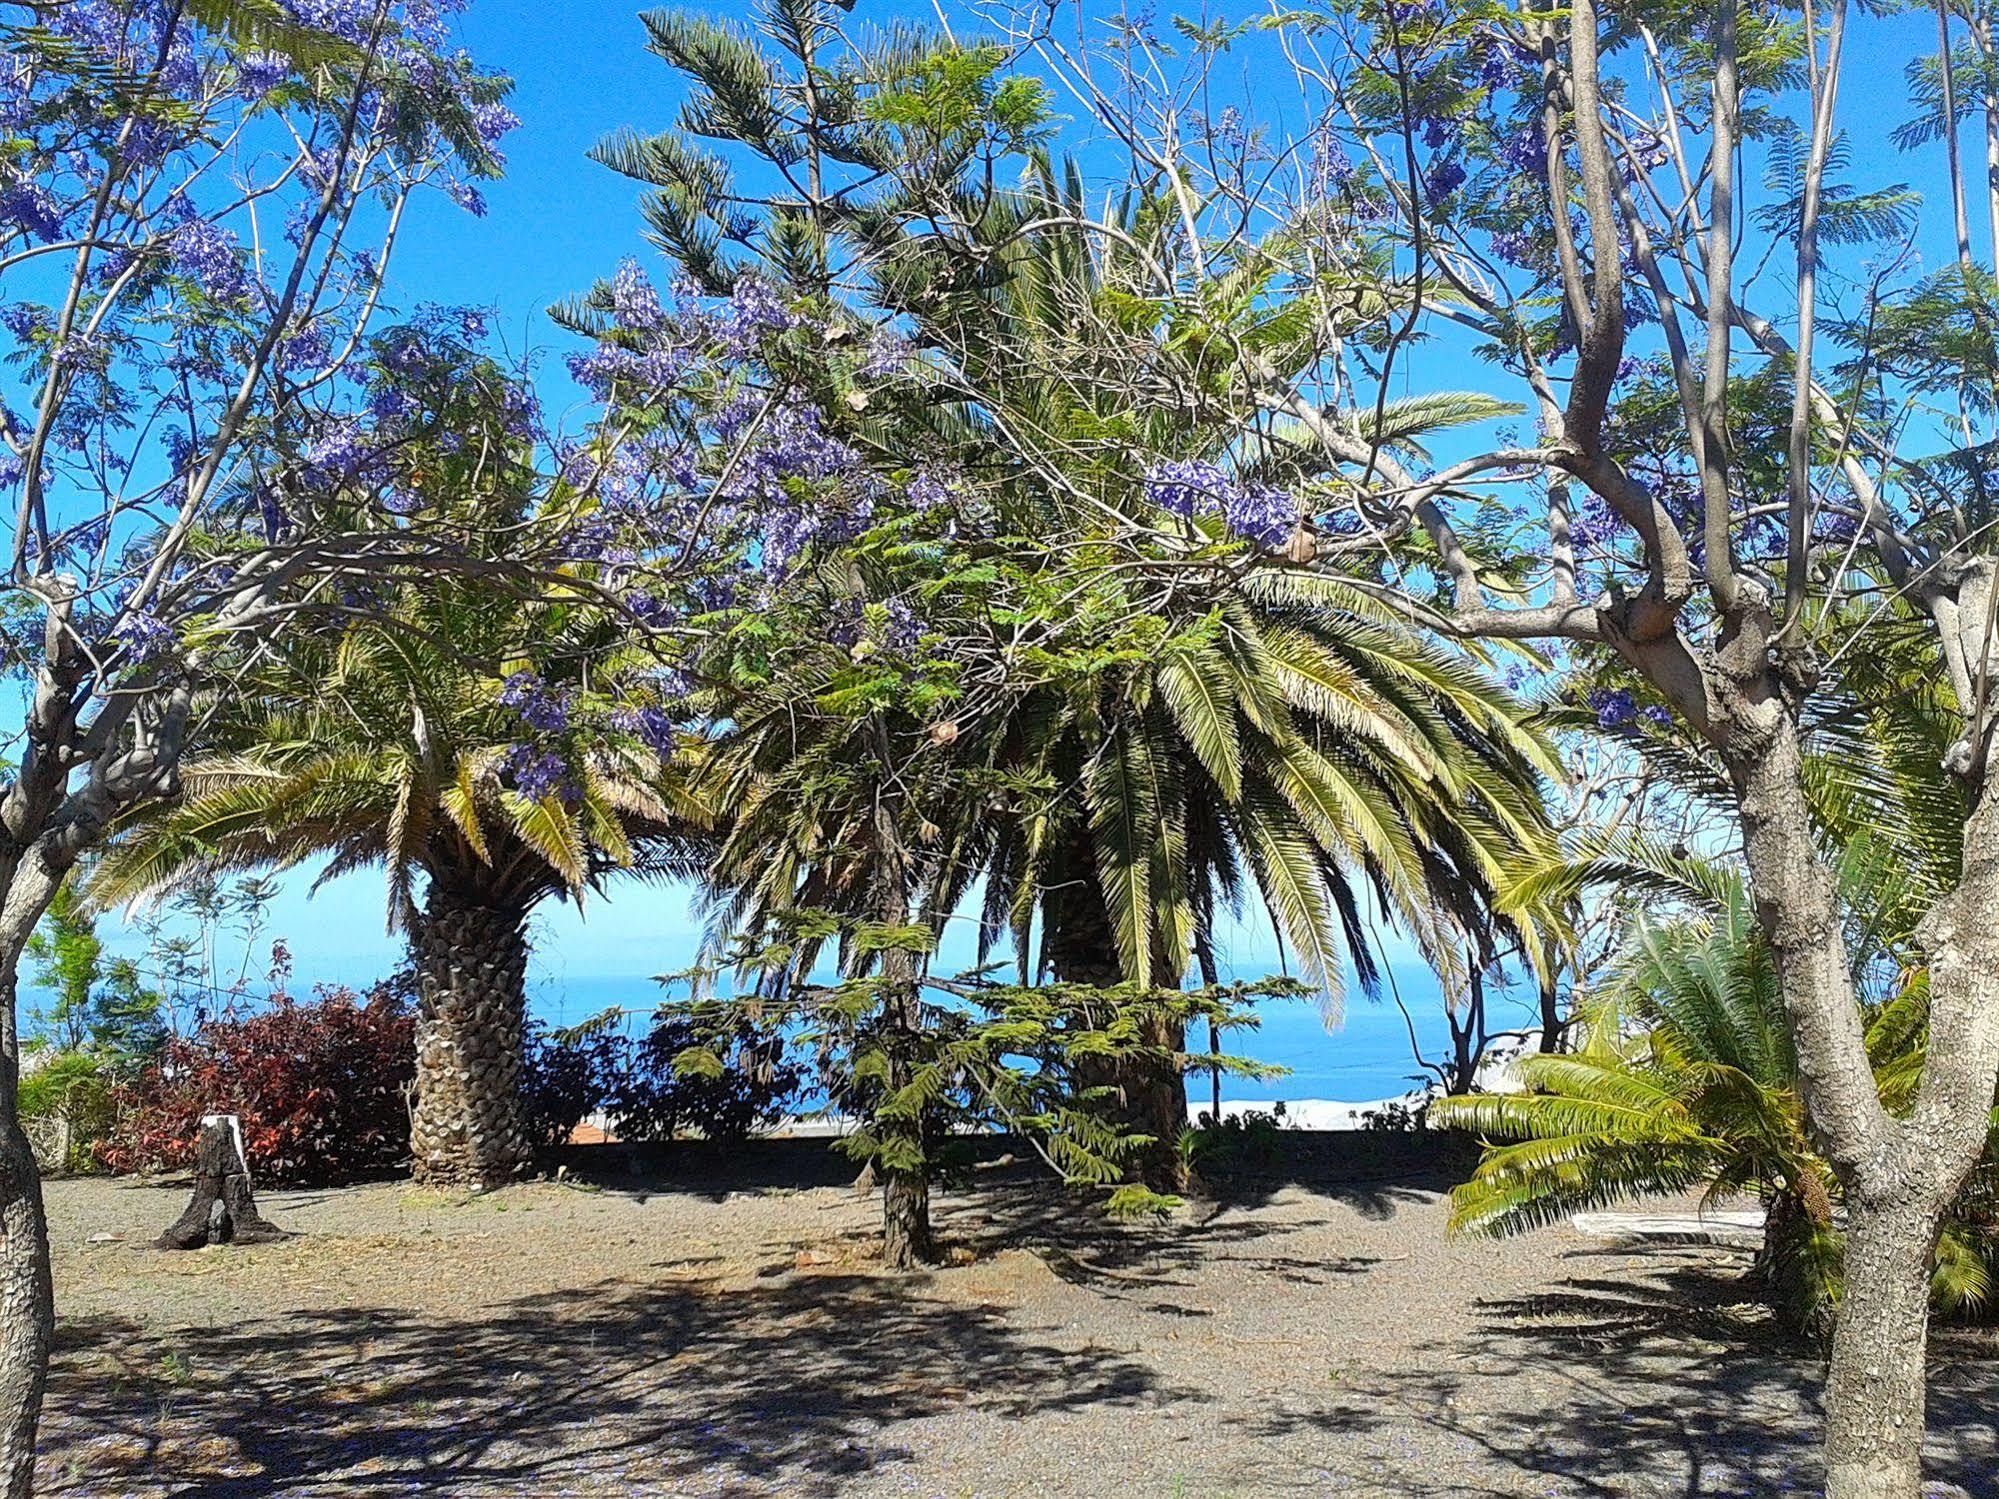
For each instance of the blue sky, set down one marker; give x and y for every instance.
(558, 221)
(555, 223)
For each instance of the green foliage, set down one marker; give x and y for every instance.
(399, 737)
(1235, 1143)
(66, 1102)
(100, 1006)
(1685, 1079)
(1028, 1060)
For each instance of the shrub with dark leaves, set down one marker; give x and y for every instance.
(721, 1081)
(320, 1088)
(566, 1078)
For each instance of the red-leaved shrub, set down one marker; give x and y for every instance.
(319, 1087)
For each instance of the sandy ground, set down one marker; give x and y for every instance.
(684, 1333)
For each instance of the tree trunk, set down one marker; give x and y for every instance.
(1079, 948)
(906, 1240)
(466, 1126)
(1875, 1383)
(1554, 1029)
(27, 1291)
(1900, 1174)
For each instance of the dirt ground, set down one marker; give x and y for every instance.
(686, 1332)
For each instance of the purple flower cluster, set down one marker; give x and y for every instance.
(903, 628)
(537, 773)
(539, 705)
(143, 636)
(754, 310)
(1189, 487)
(926, 491)
(652, 727)
(1615, 708)
(257, 73)
(210, 256)
(1443, 179)
(885, 355)
(634, 302)
(1331, 170)
(612, 372)
(789, 447)
(28, 209)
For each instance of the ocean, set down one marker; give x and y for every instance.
(1367, 1057)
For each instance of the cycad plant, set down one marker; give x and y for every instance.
(1686, 1080)
(1686, 1077)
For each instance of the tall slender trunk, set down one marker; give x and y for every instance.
(1554, 1029)
(27, 1293)
(906, 1238)
(467, 1128)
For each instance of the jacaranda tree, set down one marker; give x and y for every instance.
(196, 207)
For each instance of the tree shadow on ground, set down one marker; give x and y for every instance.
(1070, 1232)
(1375, 1172)
(1674, 1382)
(710, 1169)
(608, 1389)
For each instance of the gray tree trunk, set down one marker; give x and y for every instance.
(467, 1128)
(1875, 1384)
(27, 1289)
(1900, 1174)
(27, 1292)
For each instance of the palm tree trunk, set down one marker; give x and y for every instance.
(466, 1128)
(1079, 948)
(1784, 1272)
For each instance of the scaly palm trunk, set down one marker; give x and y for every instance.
(466, 1128)
(1784, 1271)
(1080, 948)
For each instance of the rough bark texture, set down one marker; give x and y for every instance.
(1900, 1175)
(1875, 1383)
(466, 1126)
(27, 1293)
(907, 1242)
(223, 1210)
(1080, 948)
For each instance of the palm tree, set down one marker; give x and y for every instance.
(1313, 759)
(1288, 737)
(489, 746)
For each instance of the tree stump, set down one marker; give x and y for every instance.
(223, 1210)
